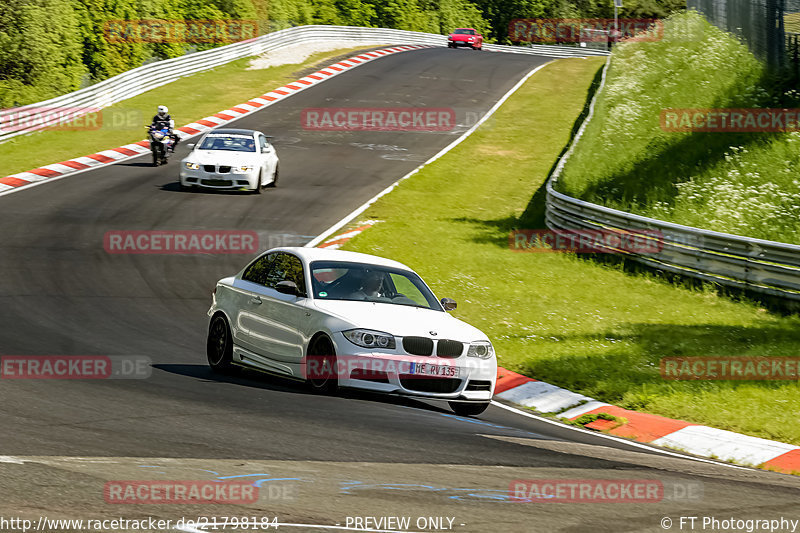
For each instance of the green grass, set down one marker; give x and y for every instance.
(188, 99)
(742, 183)
(572, 322)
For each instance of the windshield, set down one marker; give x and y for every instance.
(233, 143)
(464, 32)
(336, 280)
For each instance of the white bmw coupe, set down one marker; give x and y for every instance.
(343, 319)
(230, 159)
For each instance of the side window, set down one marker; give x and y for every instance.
(258, 271)
(287, 267)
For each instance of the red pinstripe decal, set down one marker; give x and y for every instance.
(14, 182)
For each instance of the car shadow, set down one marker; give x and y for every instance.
(260, 380)
(138, 164)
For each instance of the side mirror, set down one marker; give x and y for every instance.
(288, 287)
(448, 303)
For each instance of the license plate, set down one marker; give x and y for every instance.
(441, 371)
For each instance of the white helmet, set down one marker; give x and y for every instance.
(162, 111)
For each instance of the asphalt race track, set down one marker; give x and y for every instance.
(322, 458)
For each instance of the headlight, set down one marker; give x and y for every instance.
(367, 338)
(243, 168)
(192, 166)
(482, 349)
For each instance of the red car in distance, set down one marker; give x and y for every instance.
(465, 37)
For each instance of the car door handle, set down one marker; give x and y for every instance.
(255, 300)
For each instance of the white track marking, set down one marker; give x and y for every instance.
(442, 152)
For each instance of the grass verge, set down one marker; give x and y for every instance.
(188, 99)
(575, 323)
(741, 183)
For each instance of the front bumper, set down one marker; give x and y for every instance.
(218, 180)
(461, 43)
(397, 373)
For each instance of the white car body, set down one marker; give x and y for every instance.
(274, 331)
(231, 169)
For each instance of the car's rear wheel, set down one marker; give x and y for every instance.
(468, 409)
(321, 366)
(274, 181)
(219, 346)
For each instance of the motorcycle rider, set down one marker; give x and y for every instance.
(162, 120)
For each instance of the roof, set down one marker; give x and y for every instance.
(233, 131)
(324, 254)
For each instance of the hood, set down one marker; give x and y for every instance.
(400, 320)
(221, 157)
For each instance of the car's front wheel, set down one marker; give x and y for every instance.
(259, 182)
(219, 346)
(321, 366)
(468, 409)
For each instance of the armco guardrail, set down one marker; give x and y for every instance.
(766, 267)
(147, 77)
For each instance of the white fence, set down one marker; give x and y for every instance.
(147, 77)
(762, 266)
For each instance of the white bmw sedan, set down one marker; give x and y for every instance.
(230, 159)
(344, 319)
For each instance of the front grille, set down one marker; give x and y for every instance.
(446, 348)
(418, 345)
(479, 385)
(224, 170)
(440, 385)
(217, 183)
(209, 168)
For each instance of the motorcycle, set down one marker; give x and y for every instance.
(160, 145)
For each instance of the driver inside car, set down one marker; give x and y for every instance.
(371, 287)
